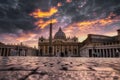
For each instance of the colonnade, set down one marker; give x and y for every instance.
(110, 52)
(6, 51)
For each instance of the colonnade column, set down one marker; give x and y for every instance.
(4, 52)
(110, 53)
(92, 52)
(113, 52)
(0, 51)
(44, 50)
(52, 50)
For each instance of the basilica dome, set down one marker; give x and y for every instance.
(60, 34)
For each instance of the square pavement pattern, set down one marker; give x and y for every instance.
(57, 68)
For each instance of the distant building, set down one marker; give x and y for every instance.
(101, 46)
(17, 50)
(61, 45)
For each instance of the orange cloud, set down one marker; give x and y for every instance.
(101, 22)
(59, 4)
(68, 1)
(42, 24)
(41, 14)
(95, 23)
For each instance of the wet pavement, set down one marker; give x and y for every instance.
(54, 68)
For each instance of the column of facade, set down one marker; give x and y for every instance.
(20, 52)
(4, 52)
(39, 53)
(27, 53)
(103, 53)
(107, 53)
(0, 51)
(110, 53)
(72, 49)
(119, 51)
(89, 52)
(32, 50)
(56, 50)
(46, 50)
(52, 50)
(69, 49)
(100, 53)
(63, 50)
(77, 50)
(92, 53)
(96, 53)
(43, 50)
(114, 52)
(7, 51)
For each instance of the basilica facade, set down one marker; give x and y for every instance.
(61, 45)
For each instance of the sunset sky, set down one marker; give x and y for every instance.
(26, 20)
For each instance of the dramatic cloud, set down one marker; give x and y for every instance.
(40, 14)
(26, 20)
(42, 24)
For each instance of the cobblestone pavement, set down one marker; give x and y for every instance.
(45, 68)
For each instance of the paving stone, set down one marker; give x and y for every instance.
(53, 68)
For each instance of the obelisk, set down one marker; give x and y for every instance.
(50, 40)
